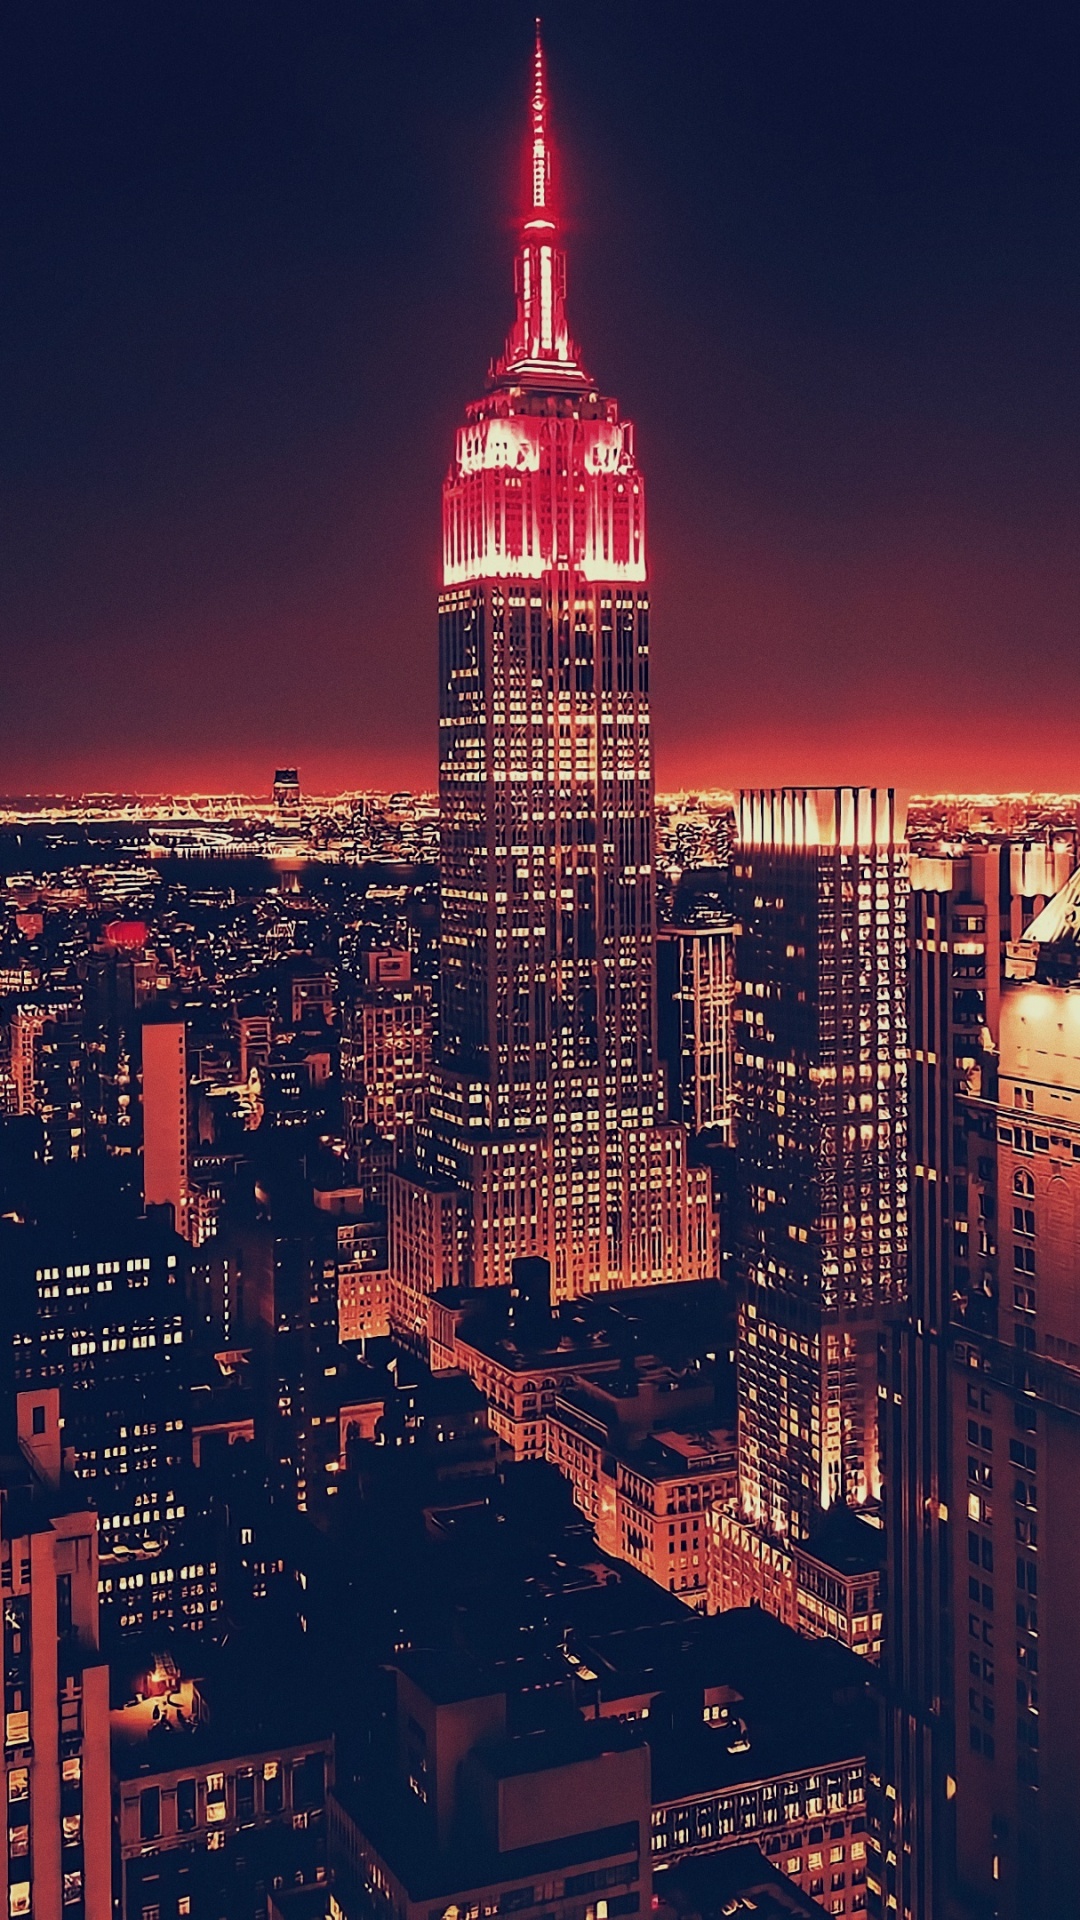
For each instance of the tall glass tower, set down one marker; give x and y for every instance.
(547, 1109)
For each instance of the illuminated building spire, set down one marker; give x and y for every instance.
(539, 349)
(541, 159)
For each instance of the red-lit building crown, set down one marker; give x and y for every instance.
(544, 475)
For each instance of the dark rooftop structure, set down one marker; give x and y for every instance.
(734, 1881)
(847, 1543)
(733, 1697)
(213, 1702)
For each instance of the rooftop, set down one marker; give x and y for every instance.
(805, 1703)
(212, 1703)
(396, 1825)
(846, 1543)
(447, 1676)
(565, 1746)
(671, 1323)
(737, 1879)
(27, 1504)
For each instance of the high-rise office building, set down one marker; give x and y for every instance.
(822, 1140)
(254, 1030)
(300, 1368)
(286, 791)
(546, 1109)
(985, 1421)
(698, 994)
(821, 877)
(1015, 1442)
(385, 1050)
(118, 975)
(165, 1116)
(97, 1313)
(47, 1068)
(57, 1861)
(947, 1612)
(955, 927)
(28, 1024)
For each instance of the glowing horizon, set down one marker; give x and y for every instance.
(861, 469)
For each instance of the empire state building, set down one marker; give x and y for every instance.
(546, 1115)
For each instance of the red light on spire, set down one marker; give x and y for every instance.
(541, 158)
(539, 346)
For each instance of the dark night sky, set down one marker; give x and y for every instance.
(257, 256)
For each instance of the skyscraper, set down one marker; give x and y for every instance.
(286, 792)
(96, 1312)
(976, 1421)
(821, 877)
(546, 1112)
(1015, 1442)
(165, 1116)
(982, 1759)
(958, 913)
(697, 1022)
(46, 1067)
(56, 1684)
(385, 1050)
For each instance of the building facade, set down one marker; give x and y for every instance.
(98, 1314)
(546, 1108)
(698, 995)
(646, 1468)
(165, 1117)
(216, 1827)
(385, 1051)
(831, 1591)
(812, 1824)
(822, 1063)
(1013, 1434)
(57, 1861)
(959, 920)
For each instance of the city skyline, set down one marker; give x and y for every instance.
(209, 355)
(541, 1339)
